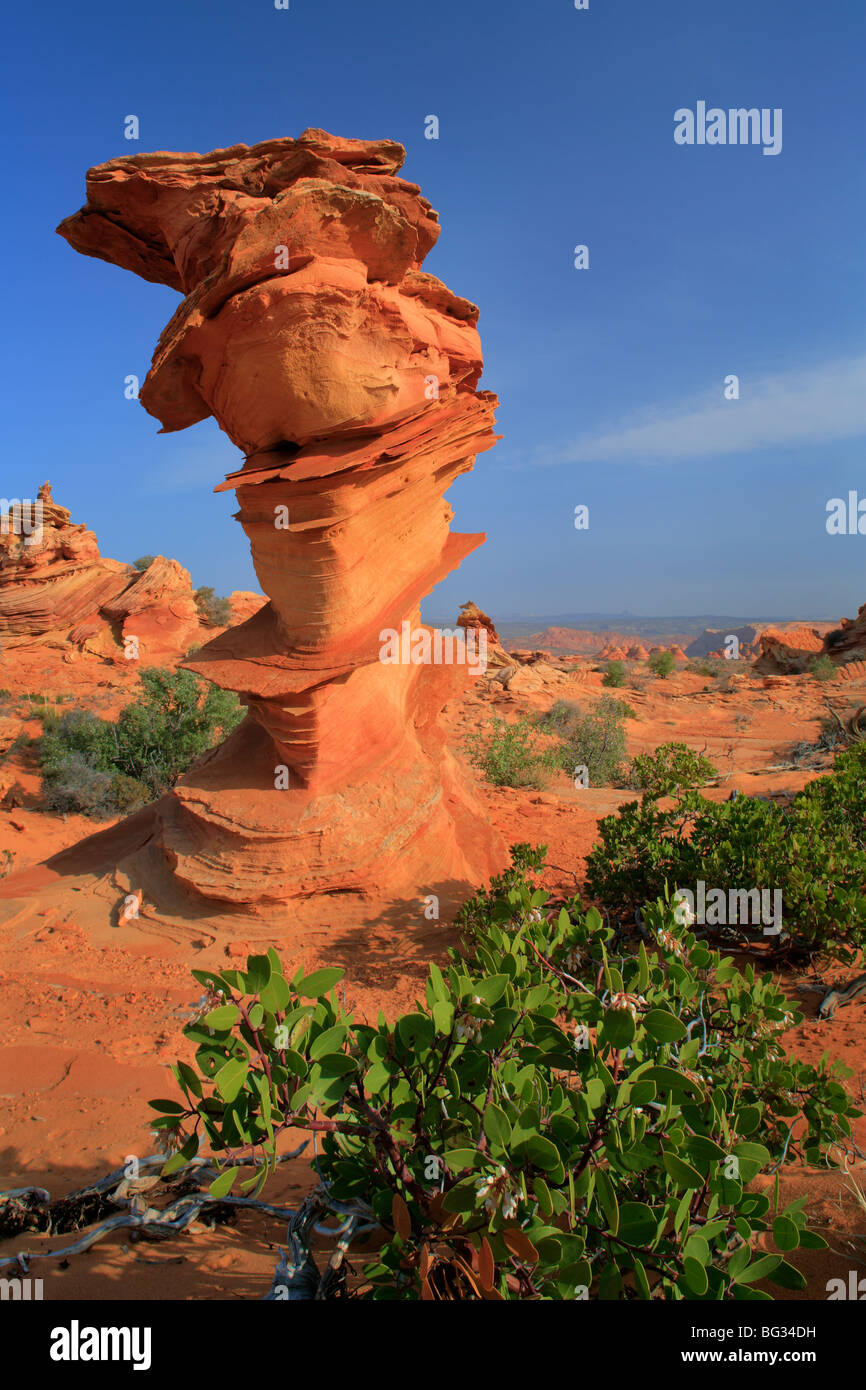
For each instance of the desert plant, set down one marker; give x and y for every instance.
(595, 740)
(103, 768)
(822, 668)
(671, 768)
(614, 675)
(661, 664)
(813, 853)
(215, 611)
(557, 1119)
(511, 755)
(701, 668)
(144, 562)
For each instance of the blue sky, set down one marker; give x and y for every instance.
(556, 129)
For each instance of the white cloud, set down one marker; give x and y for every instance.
(798, 407)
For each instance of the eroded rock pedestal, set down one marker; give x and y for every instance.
(347, 376)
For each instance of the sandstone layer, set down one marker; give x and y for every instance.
(347, 377)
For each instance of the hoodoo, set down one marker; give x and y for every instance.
(347, 377)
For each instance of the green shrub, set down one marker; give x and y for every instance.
(215, 611)
(144, 562)
(103, 769)
(510, 755)
(595, 740)
(614, 675)
(823, 668)
(813, 853)
(702, 668)
(671, 768)
(661, 664)
(556, 1119)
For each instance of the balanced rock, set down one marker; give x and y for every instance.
(347, 376)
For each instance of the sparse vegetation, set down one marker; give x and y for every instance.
(672, 768)
(511, 755)
(661, 664)
(103, 768)
(823, 668)
(614, 675)
(813, 853)
(595, 740)
(215, 611)
(559, 1118)
(144, 562)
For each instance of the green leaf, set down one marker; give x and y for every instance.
(664, 1026)
(607, 1197)
(226, 1016)
(222, 1185)
(683, 1174)
(319, 983)
(637, 1224)
(458, 1159)
(751, 1159)
(492, 989)
(443, 1016)
(759, 1269)
(498, 1130)
(695, 1275)
(167, 1107)
(786, 1235)
(230, 1078)
(618, 1029)
(258, 973)
(542, 1153)
(668, 1079)
(330, 1041)
(187, 1077)
(787, 1276)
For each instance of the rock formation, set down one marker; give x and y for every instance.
(347, 376)
(848, 641)
(788, 650)
(57, 590)
(52, 576)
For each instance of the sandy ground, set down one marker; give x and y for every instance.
(88, 1032)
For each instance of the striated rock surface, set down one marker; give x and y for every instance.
(52, 576)
(848, 641)
(347, 376)
(788, 650)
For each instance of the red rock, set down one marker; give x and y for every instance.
(347, 376)
(788, 650)
(54, 578)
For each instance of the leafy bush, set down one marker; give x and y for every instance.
(614, 675)
(215, 611)
(671, 768)
(555, 1120)
(510, 755)
(813, 853)
(103, 769)
(144, 562)
(661, 664)
(823, 668)
(595, 740)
